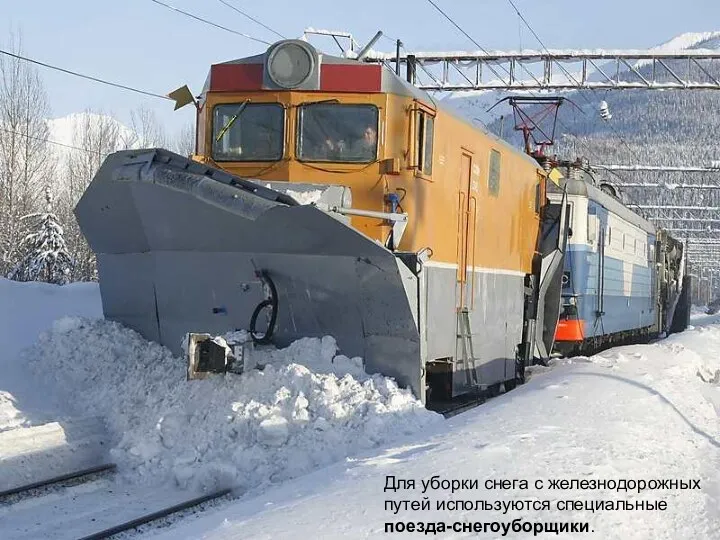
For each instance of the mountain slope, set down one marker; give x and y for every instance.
(671, 127)
(77, 128)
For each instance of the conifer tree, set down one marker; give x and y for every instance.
(46, 257)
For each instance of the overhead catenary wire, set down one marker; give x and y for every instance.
(246, 15)
(456, 25)
(570, 76)
(206, 21)
(50, 141)
(578, 139)
(430, 75)
(81, 75)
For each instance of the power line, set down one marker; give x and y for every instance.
(525, 68)
(49, 141)
(391, 38)
(577, 138)
(187, 14)
(241, 12)
(456, 25)
(569, 75)
(88, 77)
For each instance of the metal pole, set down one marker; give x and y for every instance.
(366, 48)
(398, 45)
(410, 73)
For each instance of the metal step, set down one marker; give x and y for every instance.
(466, 360)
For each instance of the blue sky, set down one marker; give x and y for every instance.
(142, 44)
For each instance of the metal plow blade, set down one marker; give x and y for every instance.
(182, 247)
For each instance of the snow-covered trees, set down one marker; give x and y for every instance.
(33, 244)
(94, 136)
(184, 143)
(44, 254)
(25, 167)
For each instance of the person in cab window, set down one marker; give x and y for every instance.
(333, 148)
(321, 143)
(364, 148)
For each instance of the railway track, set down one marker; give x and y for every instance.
(34, 489)
(88, 504)
(154, 516)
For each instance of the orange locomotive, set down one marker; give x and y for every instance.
(417, 243)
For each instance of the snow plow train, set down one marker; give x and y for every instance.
(328, 196)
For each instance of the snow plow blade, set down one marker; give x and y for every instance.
(184, 248)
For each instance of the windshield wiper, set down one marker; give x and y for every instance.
(232, 120)
(309, 103)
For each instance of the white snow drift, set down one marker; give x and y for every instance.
(643, 412)
(307, 408)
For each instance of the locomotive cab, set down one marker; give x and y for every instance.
(294, 115)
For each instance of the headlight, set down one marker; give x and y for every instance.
(290, 64)
(346, 198)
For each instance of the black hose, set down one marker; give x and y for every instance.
(273, 303)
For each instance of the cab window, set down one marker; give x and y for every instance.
(424, 142)
(337, 132)
(494, 173)
(248, 132)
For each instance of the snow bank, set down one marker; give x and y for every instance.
(642, 412)
(26, 310)
(10, 416)
(305, 197)
(306, 409)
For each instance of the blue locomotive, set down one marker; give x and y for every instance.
(623, 279)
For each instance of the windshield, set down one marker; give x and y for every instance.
(248, 132)
(339, 133)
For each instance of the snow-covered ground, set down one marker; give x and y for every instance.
(76, 383)
(306, 409)
(640, 413)
(26, 310)
(311, 440)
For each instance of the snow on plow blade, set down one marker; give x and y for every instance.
(182, 248)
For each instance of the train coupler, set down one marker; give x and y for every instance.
(208, 354)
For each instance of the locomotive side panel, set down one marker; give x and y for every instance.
(609, 291)
(489, 215)
(623, 298)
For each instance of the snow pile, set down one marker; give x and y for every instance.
(640, 412)
(10, 416)
(306, 409)
(310, 196)
(26, 310)
(305, 197)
